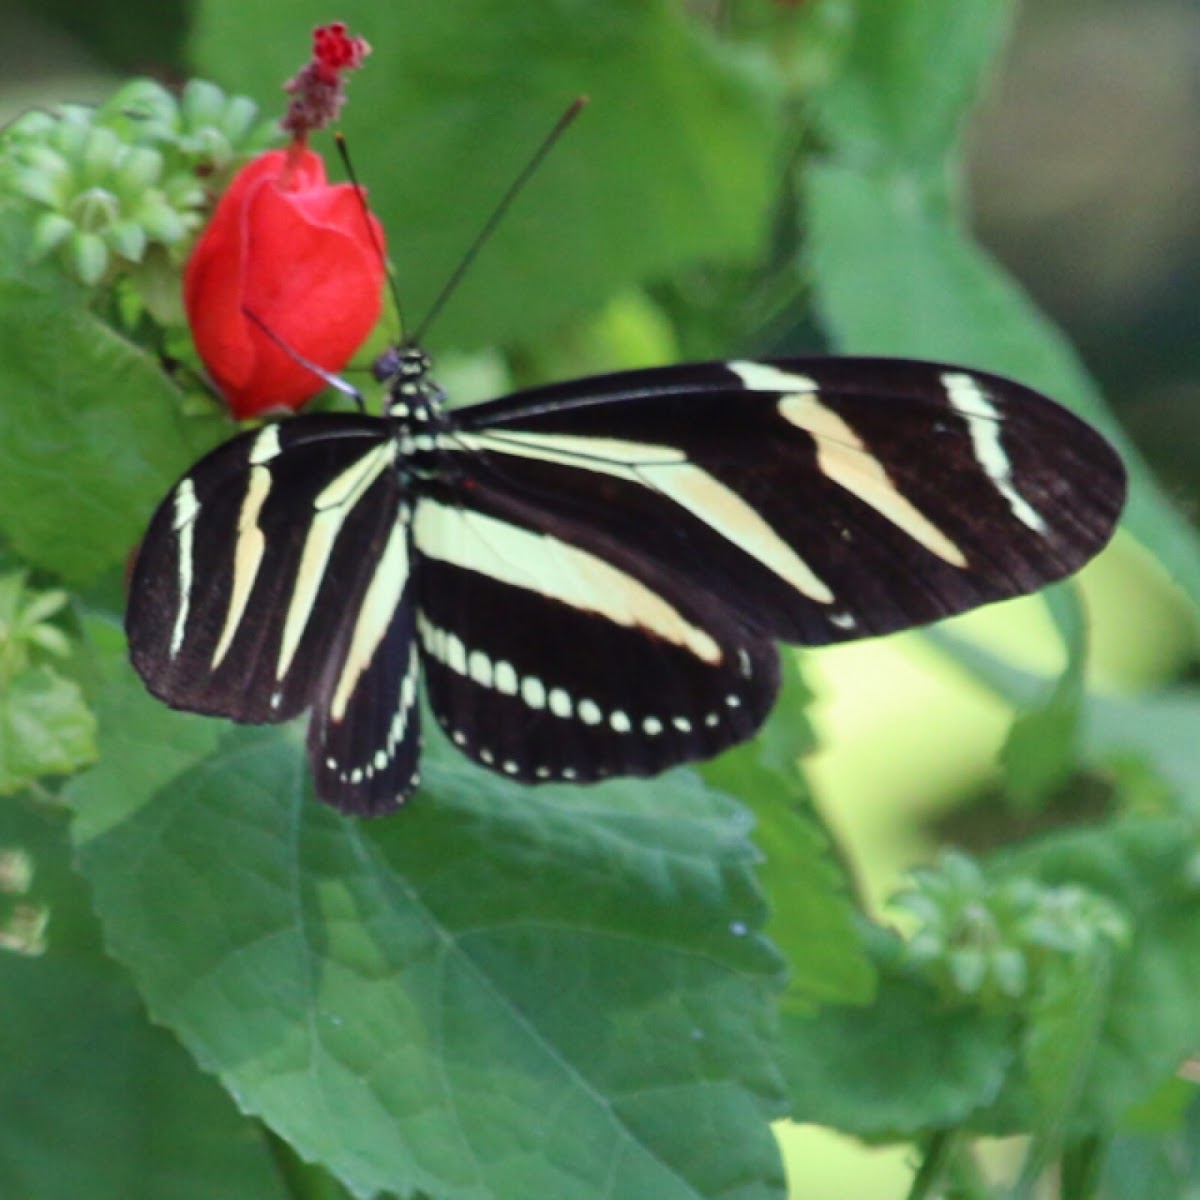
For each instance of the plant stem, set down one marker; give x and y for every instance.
(1081, 1163)
(938, 1151)
(967, 1182)
(946, 1155)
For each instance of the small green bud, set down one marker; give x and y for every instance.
(89, 255)
(127, 239)
(140, 168)
(50, 231)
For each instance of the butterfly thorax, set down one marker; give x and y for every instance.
(414, 409)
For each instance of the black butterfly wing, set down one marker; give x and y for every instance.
(364, 738)
(271, 580)
(549, 655)
(609, 561)
(823, 500)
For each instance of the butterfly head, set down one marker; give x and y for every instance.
(399, 363)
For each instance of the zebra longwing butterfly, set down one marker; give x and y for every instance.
(591, 577)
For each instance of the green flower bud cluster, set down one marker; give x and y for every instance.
(25, 627)
(122, 188)
(22, 923)
(46, 727)
(989, 940)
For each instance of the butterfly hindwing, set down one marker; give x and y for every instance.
(364, 737)
(548, 660)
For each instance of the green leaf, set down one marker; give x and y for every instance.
(46, 728)
(884, 100)
(1147, 869)
(1106, 1028)
(1066, 1026)
(144, 743)
(1143, 739)
(94, 1101)
(498, 992)
(1165, 1168)
(1042, 747)
(812, 918)
(893, 268)
(1160, 730)
(91, 432)
(671, 163)
(907, 1063)
(1104, 1037)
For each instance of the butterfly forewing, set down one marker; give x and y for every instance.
(822, 499)
(270, 582)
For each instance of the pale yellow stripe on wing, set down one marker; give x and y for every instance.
(563, 573)
(332, 507)
(983, 422)
(247, 557)
(844, 458)
(374, 616)
(187, 509)
(666, 471)
(250, 545)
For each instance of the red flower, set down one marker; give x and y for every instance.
(295, 252)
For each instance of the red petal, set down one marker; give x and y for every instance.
(296, 253)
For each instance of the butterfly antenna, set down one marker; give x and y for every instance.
(498, 213)
(332, 380)
(344, 153)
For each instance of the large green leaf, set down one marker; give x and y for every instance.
(91, 434)
(94, 1101)
(498, 992)
(812, 916)
(671, 163)
(908, 1063)
(893, 267)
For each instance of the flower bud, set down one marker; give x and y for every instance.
(287, 269)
